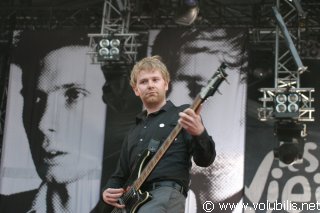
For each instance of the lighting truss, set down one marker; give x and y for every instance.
(287, 77)
(305, 112)
(288, 40)
(115, 24)
(299, 9)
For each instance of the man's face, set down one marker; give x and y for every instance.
(200, 58)
(68, 116)
(151, 88)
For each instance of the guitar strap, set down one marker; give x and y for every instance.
(153, 146)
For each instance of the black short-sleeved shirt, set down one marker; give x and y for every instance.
(176, 162)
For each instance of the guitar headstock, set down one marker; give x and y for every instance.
(218, 77)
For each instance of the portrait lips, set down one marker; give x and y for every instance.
(53, 157)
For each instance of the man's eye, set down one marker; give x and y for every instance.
(143, 82)
(73, 95)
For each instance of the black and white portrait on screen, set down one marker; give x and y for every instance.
(202, 52)
(55, 124)
(192, 57)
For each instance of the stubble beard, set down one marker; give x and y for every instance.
(153, 100)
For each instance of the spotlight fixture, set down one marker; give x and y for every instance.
(289, 152)
(188, 12)
(108, 49)
(286, 105)
(291, 139)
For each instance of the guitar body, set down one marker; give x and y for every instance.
(134, 198)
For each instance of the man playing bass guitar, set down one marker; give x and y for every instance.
(163, 186)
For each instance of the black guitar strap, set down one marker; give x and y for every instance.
(153, 146)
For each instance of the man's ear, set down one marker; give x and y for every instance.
(167, 86)
(136, 91)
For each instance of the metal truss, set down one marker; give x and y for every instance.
(288, 65)
(254, 15)
(115, 22)
(305, 112)
(50, 17)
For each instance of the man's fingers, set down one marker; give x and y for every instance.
(111, 196)
(199, 109)
(119, 205)
(114, 191)
(191, 121)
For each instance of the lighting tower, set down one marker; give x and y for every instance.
(288, 104)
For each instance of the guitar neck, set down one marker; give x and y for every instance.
(163, 148)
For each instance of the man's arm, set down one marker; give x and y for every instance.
(204, 151)
(203, 145)
(114, 187)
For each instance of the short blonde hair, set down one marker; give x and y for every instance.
(149, 64)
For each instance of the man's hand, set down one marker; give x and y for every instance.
(191, 121)
(111, 196)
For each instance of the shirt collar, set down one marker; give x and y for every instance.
(143, 115)
(39, 204)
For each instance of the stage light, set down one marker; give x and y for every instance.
(290, 141)
(108, 49)
(288, 152)
(104, 52)
(104, 43)
(188, 12)
(286, 105)
(114, 51)
(115, 43)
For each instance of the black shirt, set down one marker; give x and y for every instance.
(176, 162)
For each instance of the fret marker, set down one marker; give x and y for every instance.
(161, 125)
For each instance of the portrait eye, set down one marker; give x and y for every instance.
(194, 84)
(194, 88)
(39, 97)
(38, 100)
(74, 95)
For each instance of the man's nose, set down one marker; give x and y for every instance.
(48, 120)
(150, 84)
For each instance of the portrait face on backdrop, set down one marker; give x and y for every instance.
(62, 119)
(61, 137)
(196, 55)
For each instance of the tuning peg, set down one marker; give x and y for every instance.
(226, 80)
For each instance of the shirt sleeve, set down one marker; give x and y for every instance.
(204, 151)
(121, 174)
